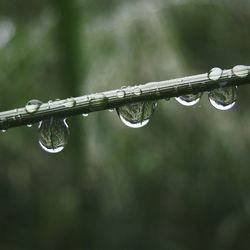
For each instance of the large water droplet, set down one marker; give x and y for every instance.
(189, 99)
(215, 74)
(32, 106)
(223, 98)
(136, 115)
(53, 135)
(241, 70)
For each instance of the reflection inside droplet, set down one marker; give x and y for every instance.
(53, 135)
(223, 98)
(136, 115)
(189, 99)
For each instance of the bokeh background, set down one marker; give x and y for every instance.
(180, 183)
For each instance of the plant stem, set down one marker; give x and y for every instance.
(118, 97)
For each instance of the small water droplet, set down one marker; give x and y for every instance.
(53, 135)
(241, 70)
(32, 106)
(189, 99)
(136, 115)
(223, 98)
(69, 103)
(120, 93)
(137, 91)
(29, 125)
(85, 114)
(49, 103)
(215, 74)
(3, 130)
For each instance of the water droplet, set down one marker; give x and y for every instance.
(4, 130)
(137, 91)
(111, 110)
(189, 99)
(49, 103)
(53, 135)
(215, 74)
(120, 93)
(85, 114)
(241, 70)
(32, 106)
(29, 125)
(69, 103)
(136, 115)
(223, 98)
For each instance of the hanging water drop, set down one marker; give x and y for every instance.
(223, 98)
(136, 115)
(32, 106)
(3, 130)
(85, 114)
(241, 70)
(29, 125)
(189, 99)
(215, 74)
(53, 135)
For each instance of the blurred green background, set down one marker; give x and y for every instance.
(180, 183)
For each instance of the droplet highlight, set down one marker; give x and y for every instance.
(85, 114)
(136, 115)
(137, 91)
(69, 103)
(53, 135)
(120, 93)
(223, 98)
(215, 74)
(32, 106)
(29, 125)
(189, 99)
(241, 70)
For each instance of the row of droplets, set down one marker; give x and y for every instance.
(54, 132)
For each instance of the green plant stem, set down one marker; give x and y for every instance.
(118, 97)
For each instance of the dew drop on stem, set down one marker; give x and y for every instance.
(32, 106)
(223, 98)
(53, 134)
(136, 115)
(241, 70)
(189, 99)
(215, 74)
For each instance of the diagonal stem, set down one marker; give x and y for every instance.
(237, 76)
